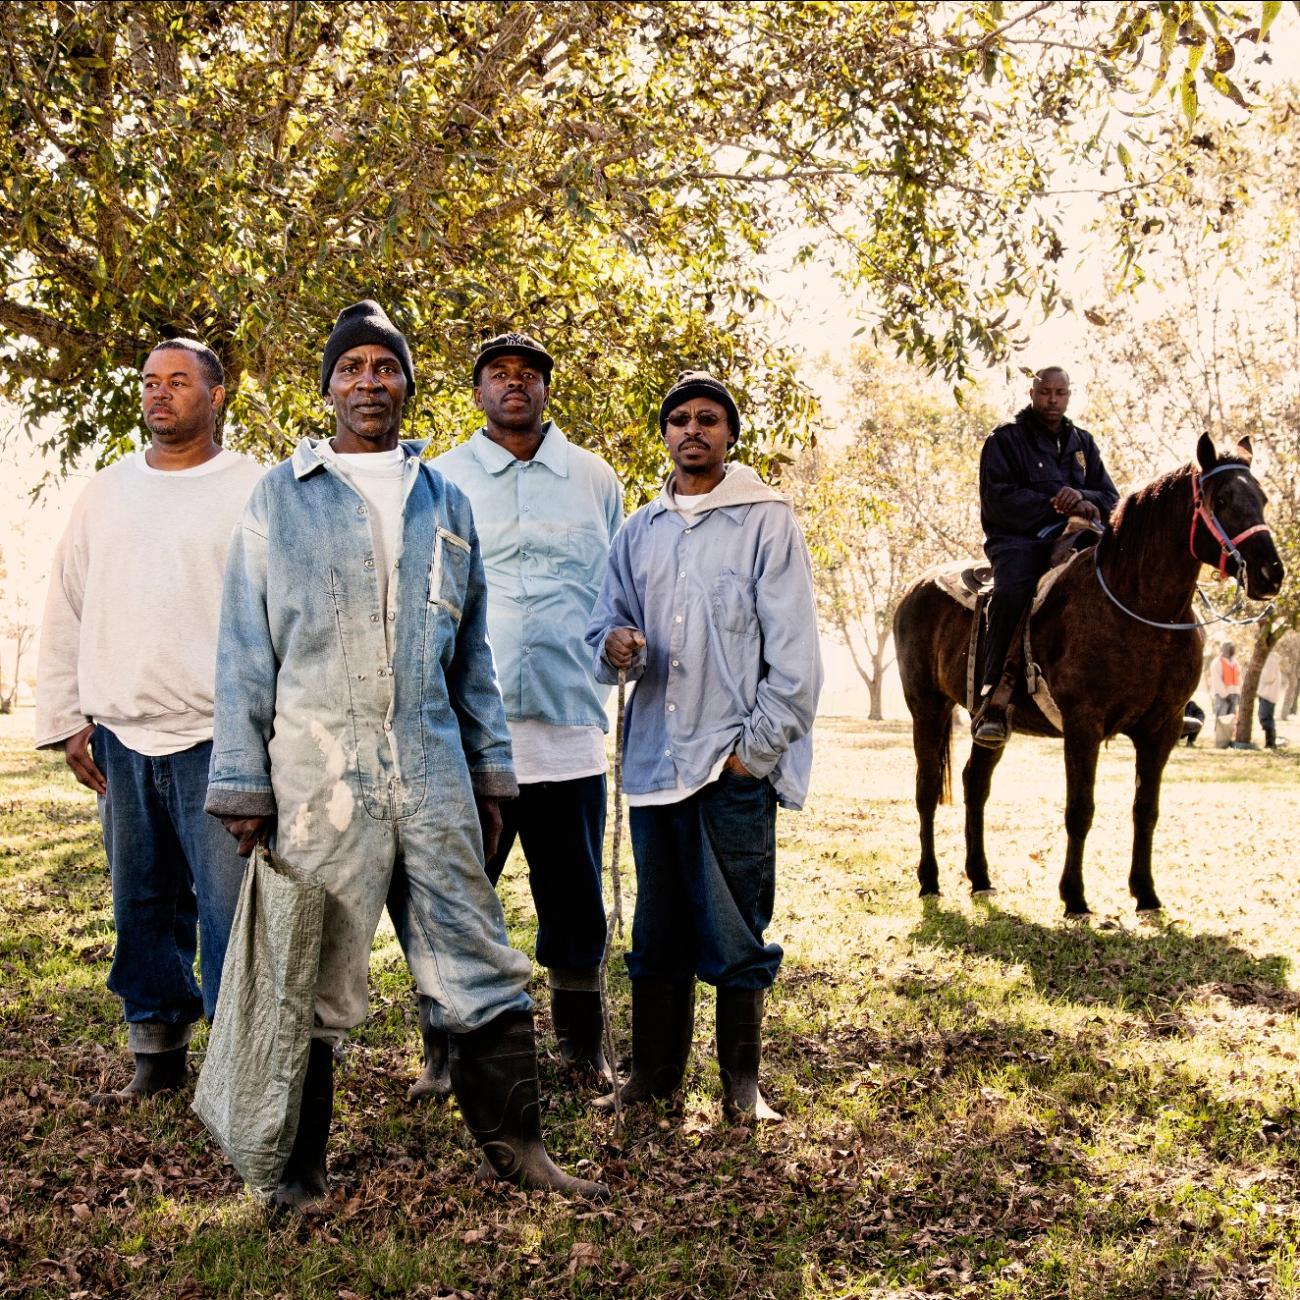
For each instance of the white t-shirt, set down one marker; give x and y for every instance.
(544, 751)
(379, 477)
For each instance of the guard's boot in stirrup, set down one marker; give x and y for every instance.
(155, 1072)
(303, 1182)
(991, 725)
(663, 1024)
(434, 1083)
(494, 1074)
(740, 1047)
(579, 1030)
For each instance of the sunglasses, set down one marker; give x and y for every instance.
(705, 419)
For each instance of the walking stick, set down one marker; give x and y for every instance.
(615, 917)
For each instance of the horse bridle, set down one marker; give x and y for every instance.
(1201, 513)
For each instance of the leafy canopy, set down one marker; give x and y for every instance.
(612, 176)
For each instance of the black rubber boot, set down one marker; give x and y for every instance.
(740, 1047)
(494, 1074)
(155, 1072)
(991, 725)
(304, 1183)
(579, 1032)
(434, 1083)
(663, 1025)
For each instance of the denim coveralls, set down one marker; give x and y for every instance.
(371, 763)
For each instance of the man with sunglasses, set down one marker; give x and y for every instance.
(708, 606)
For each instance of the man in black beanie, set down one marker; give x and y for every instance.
(358, 721)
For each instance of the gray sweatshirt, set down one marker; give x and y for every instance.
(129, 637)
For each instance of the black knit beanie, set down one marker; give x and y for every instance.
(365, 322)
(698, 383)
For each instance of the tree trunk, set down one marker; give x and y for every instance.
(875, 689)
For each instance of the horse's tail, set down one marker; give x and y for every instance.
(945, 759)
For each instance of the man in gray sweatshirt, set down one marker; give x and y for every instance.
(125, 689)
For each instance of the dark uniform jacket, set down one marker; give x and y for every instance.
(1023, 466)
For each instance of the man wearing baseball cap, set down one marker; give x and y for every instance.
(358, 721)
(546, 511)
(708, 605)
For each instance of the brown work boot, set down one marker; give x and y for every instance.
(740, 1048)
(494, 1073)
(434, 1083)
(663, 1025)
(303, 1183)
(155, 1072)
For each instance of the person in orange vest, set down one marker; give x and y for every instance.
(1225, 684)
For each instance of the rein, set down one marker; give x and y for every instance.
(1201, 513)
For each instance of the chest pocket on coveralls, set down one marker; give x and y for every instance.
(449, 573)
(732, 598)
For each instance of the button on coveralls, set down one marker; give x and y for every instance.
(369, 762)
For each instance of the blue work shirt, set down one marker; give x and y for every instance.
(544, 526)
(731, 661)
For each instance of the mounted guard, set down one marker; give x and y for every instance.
(1036, 474)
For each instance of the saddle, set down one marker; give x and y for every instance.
(970, 584)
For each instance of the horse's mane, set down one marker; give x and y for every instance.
(1145, 514)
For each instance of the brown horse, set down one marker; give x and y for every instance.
(1118, 645)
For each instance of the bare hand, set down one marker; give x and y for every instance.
(250, 832)
(489, 821)
(1087, 510)
(735, 766)
(1067, 500)
(76, 753)
(621, 646)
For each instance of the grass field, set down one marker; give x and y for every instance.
(980, 1099)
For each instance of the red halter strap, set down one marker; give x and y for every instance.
(1201, 511)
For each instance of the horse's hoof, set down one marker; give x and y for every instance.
(1084, 915)
(929, 891)
(987, 892)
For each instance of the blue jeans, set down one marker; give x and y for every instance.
(561, 825)
(706, 882)
(176, 879)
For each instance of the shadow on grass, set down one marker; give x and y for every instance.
(1120, 968)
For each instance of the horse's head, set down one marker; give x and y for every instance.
(1228, 530)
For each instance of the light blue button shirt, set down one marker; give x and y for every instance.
(731, 660)
(545, 526)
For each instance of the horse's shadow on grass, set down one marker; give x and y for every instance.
(1120, 968)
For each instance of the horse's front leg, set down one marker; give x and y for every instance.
(976, 778)
(1152, 754)
(1080, 777)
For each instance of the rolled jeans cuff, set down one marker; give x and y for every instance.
(149, 1037)
(574, 979)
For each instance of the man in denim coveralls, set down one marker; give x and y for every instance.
(359, 721)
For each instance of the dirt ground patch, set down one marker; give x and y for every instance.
(981, 1099)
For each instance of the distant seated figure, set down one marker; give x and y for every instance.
(1035, 473)
(1193, 721)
